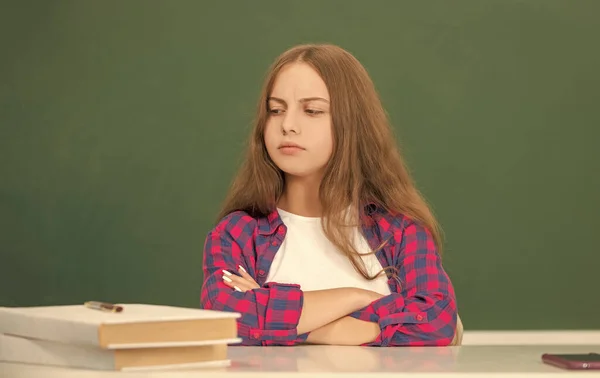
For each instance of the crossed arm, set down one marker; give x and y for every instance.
(324, 312)
(422, 312)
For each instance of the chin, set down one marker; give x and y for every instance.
(296, 171)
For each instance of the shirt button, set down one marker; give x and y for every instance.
(274, 243)
(255, 335)
(261, 273)
(419, 317)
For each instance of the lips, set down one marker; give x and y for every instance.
(290, 149)
(289, 145)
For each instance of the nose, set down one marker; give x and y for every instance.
(289, 123)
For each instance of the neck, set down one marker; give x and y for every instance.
(301, 196)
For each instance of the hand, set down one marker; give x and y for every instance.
(243, 282)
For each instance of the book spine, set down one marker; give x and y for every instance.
(59, 330)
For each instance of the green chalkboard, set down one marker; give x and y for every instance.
(122, 123)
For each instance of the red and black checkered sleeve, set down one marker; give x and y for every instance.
(269, 314)
(424, 311)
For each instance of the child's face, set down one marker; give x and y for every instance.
(299, 114)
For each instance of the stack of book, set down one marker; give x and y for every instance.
(117, 337)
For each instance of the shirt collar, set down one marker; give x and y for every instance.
(268, 225)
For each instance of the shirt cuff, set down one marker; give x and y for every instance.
(282, 314)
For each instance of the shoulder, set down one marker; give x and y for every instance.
(237, 220)
(237, 225)
(401, 228)
(230, 239)
(235, 231)
(240, 229)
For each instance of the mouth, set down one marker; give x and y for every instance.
(289, 146)
(290, 149)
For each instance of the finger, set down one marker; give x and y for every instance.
(234, 285)
(249, 282)
(236, 282)
(247, 276)
(234, 277)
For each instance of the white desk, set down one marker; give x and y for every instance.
(327, 361)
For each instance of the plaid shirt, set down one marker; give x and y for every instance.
(420, 311)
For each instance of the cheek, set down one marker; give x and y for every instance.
(327, 150)
(325, 137)
(324, 144)
(270, 135)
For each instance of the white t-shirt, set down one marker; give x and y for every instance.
(307, 258)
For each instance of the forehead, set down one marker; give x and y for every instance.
(299, 80)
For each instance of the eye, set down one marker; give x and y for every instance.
(276, 111)
(314, 111)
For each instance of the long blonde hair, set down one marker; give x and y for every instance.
(365, 166)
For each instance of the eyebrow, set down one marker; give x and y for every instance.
(302, 100)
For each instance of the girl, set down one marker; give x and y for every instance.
(323, 237)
